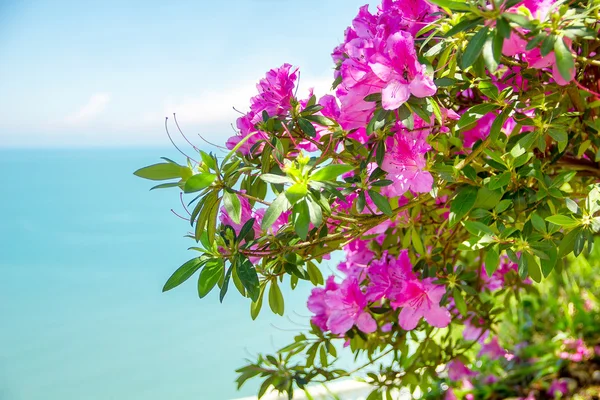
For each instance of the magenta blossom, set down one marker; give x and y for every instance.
(405, 162)
(422, 300)
(389, 276)
(275, 93)
(457, 370)
(347, 308)
(317, 305)
(558, 387)
(492, 349)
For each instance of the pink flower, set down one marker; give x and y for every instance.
(275, 93)
(404, 162)
(480, 131)
(558, 386)
(474, 332)
(422, 300)
(378, 56)
(515, 45)
(388, 277)
(492, 349)
(347, 308)
(317, 305)
(457, 370)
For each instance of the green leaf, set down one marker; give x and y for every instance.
(160, 172)
(452, 5)
(533, 268)
(417, 242)
(474, 48)
(210, 275)
(276, 301)
(320, 120)
(247, 231)
(564, 58)
(208, 160)
(487, 199)
(314, 211)
(307, 127)
(538, 223)
(518, 19)
(381, 202)
(301, 219)
(463, 25)
(233, 206)
(279, 205)
(462, 204)
(165, 185)
(314, 273)
(183, 273)
(477, 228)
(249, 277)
(489, 57)
(564, 221)
(459, 301)
(498, 181)
(198, 182)
(257, 305)
(225, 285)
(330, 172)
(549, 264)
(567, 244)
(492, 260)
(296, 192)
(276, 179)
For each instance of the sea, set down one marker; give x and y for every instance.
(85, 249)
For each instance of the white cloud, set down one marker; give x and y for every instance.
(92, 109)
(217, 106)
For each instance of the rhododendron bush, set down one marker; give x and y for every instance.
(455, 165)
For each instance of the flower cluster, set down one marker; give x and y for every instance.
(391, 279)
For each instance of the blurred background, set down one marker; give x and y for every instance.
(84, 247)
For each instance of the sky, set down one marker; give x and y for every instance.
(107, 73)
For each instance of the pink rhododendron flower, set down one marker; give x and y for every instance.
(404, 162)
(480, 131)
(492, 349)
(457, 370)
(378, 56)
(347, 308)
(422, 300)
(275, 92)
(515, 45)
(575, 350)
(389, 276)
(558, 386)
(317, 305)
(473, 331)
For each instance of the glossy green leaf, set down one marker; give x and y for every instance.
(198, 182)
(233, 206)
(381, 202)
(183, 273)
(247, 274)
(210, 275)
(474, 48)
(564, 59)
(462, 204)
(160, 172)
(330, 172)
(279, 205)
(276, 301)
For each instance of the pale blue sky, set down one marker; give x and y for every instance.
(106, 73)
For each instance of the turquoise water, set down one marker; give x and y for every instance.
(84, 252)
